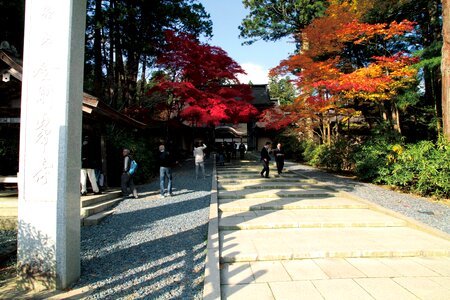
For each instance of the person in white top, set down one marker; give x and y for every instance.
(199, 156)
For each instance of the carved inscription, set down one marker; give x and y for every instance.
(41, 98)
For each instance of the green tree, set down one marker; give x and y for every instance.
(271, 20)
(282, 89)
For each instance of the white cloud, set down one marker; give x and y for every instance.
(255, 73)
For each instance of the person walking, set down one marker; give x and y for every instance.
(199, 158)
(242, 150)
(265, 158)
(165, 171)
(88, 167)
(221, 155)
(127, 179)
(279, 158)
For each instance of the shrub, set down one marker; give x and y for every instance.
(336, 157)
(318, 155)
(423, 168)
(292, 146)
(309, 151)
(372, 157)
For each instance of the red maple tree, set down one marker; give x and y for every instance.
(200, 85)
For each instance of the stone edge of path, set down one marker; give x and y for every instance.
(211, 284)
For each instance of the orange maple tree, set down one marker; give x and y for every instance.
(332, 82)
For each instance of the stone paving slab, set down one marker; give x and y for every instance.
(324, 202)
(304, 218)
(278, 244)
(350, 278)
(326, 268)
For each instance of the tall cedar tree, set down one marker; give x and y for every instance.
(123, 37)
(271, 20)
(201, 85)
(335, 87)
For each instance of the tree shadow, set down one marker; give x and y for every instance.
(160, 249)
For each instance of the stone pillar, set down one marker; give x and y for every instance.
(50, 141)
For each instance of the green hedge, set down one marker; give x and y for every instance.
(422, 168)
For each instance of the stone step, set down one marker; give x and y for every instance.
(306, 218)
(255, 185)
(276, 193)
(96, 218)
(253, 204)
(244, 171)
(302, 243)
(8, 193)
(98, 207)
(243, 181)
(256, 174)
(8, 211)
(94, 199)
(8, 223)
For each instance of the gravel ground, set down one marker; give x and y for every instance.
(151, 248)
(429, 212)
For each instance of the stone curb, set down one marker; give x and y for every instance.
(211, 284)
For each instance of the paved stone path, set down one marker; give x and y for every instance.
(290, 237)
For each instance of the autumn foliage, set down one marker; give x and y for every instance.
(344, 65)
(200, 84)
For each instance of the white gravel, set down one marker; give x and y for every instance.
(151, 248)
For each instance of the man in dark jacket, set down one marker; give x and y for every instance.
(265, 158)
(165, 170)
(127, 179)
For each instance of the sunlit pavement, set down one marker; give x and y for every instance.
(290, 237)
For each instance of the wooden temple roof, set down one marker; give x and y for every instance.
(92, 106)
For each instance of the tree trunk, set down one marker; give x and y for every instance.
(111, 66)
(119, 69)
(98, 74)
(131, 74)
(143, 81)
(445, 68)
(395, 118)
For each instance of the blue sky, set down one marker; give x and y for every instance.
(256, 59)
